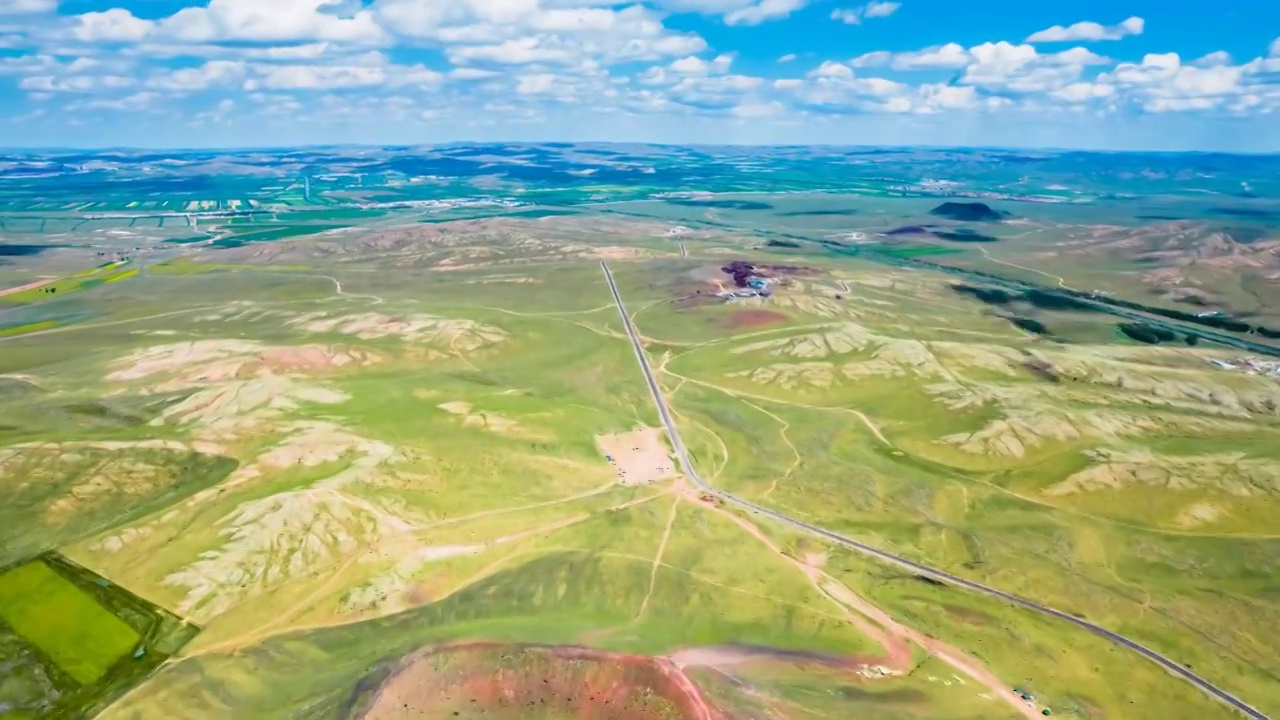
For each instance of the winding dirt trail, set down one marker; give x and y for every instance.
(1062, 283)
(897, 651)
(657, 557)
(871, 426)
(878, 625)
(795, 463)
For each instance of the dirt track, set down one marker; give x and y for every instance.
(28, 286)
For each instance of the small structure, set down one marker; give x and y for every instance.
(140, 652)
(742, 294)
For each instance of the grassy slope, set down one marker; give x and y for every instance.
(562, 378)
(575, 378)
(1201, 599)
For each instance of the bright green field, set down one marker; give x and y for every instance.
(80, 635)
(69, 285)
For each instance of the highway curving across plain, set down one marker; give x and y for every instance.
(686, 466)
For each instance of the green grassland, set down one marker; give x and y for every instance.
(68, 285)
(263, 232)
(1122, 272)
(584, 566)
(1120, 557)
(930, 691)
(63, 497)
(1076, 675)
(14, 330)
(559, 396)
(911, 250)
(187, 266)
(592, 577)
(398, 449)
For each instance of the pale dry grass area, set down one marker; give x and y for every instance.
(211, 361)
(458, 334)
(486, 420)
(445, 335)
(489, 244)
(504, 279)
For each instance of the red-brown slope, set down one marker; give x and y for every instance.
(524, 682)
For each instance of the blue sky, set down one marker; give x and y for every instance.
(1127, 74)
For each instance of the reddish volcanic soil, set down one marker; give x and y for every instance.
(754, 318)
(507, 682)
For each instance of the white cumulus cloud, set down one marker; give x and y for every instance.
(855, 15)
(758, 110)
(951, 55)
(27, 7)
(114, 25)
(763, 11)
(277, 20)
(831, 69)
(1088, 32)
(336, 77)
(1162, 83)
(212, 74)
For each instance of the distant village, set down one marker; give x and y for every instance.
(1250, 365)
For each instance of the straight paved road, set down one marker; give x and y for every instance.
(687, 466)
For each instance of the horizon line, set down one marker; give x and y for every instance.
(227, 149)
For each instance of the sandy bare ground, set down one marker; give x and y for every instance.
(28, 286)
(640, 456)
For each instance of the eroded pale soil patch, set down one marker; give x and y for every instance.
(492, 422)
(1043, 395)
(640, 457)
